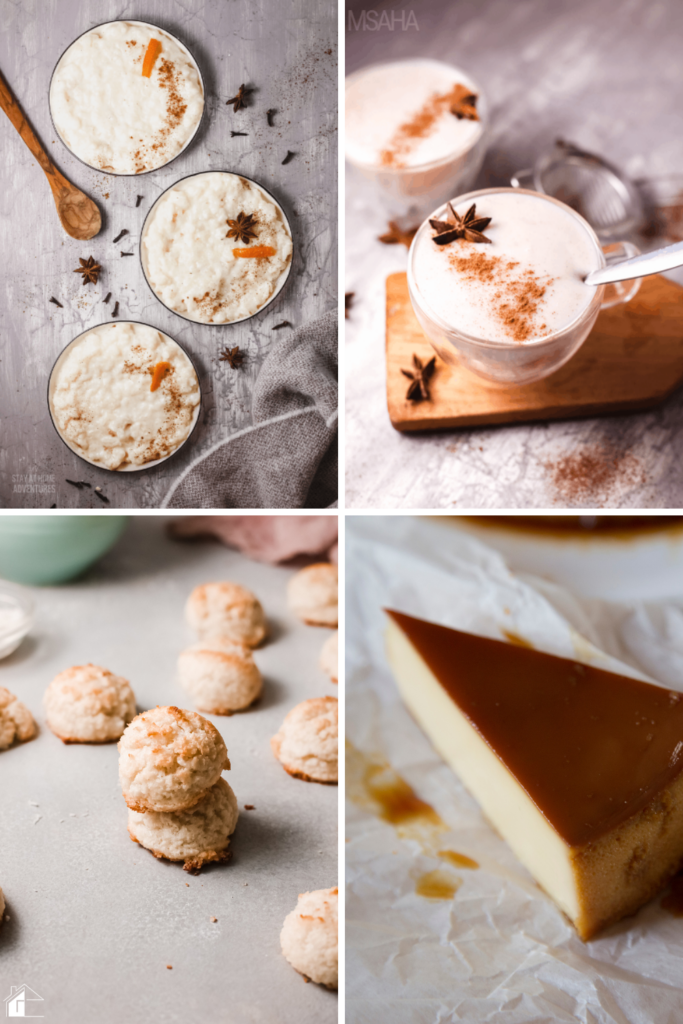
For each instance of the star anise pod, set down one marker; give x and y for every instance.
(396, 235)
(348, 302)
(418, 378)
(469, 227)
(238, 100)
(89, 269)
(464, 103)
(233, 356)
(243, 228)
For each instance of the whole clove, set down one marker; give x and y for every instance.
(128, 253)
(290, 156)
(138, 200)
(53, 299)
(233, 134)
(115, 311)
(120, 235)
(285, 323)
(269, 117)
(108, 296)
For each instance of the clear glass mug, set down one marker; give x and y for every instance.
(418, 189)
(518, 363)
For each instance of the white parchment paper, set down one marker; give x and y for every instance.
(500, 950)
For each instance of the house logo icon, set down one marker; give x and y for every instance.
(18, 1002)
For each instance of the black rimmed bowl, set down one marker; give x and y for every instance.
(190, 57)
(282, 280)
(124, 469)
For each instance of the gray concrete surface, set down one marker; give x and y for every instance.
(605, 75)
(285, 49)
(94, 920)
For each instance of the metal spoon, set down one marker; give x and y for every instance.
(639, 266)
(79, 216)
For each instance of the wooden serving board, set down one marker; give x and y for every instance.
(632, 359)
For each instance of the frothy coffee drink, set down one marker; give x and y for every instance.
(522, 282)
(409, 114)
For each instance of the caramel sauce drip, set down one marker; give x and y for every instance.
(459, 860)
(160, 371)
(589, 747)
(438, 885)
(398, 802)
(259, 252)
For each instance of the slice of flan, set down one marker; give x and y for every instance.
(579, 770)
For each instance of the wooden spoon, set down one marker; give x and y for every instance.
(79, 215)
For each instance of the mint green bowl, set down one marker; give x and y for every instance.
(52, 549)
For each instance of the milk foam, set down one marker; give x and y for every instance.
(533, 239)
(384, 97)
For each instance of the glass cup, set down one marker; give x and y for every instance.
(419, 188)
(514, 362)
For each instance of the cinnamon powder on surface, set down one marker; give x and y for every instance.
(594, 472)
(513, 296)
(418, 127)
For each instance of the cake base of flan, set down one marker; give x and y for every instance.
(619, 863)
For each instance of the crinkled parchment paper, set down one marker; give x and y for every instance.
(498, 950)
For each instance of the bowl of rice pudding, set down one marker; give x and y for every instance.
(216, 248)
(126, 97)
(416, 128)
(124, 396)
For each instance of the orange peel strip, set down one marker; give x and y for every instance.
(153, 51)
(160, 371)
(255, 252)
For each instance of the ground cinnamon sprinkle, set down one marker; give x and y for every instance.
(593, 472)
(419, 127)
(517, 296)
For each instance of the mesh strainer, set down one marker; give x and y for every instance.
(593, 187)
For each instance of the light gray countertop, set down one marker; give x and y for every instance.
(94, 920)
(606, 76)
(285, 49)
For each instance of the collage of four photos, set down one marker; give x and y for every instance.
(341, 562)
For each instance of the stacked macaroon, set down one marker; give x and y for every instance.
(219, 672)
(179, 807)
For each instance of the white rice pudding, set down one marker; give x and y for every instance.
(102, 401)
(527, 284)
(112, 116)
(192, 265)
(399, 115)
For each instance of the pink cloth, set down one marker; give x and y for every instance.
(266, 538)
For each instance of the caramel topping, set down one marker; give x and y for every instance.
(589, 747)
(438, 885)
(257, 251)
(160, 371)
(151, 54)
(460, 860)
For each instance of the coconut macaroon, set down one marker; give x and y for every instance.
(306, 743)
(221, 676)
(329, 657)
(195, 836)
(226, 610)
(309, 936)
(168, 759)
(88, 704)
(16, 721)
(313, 594)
